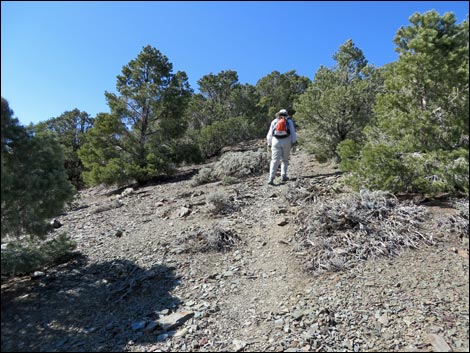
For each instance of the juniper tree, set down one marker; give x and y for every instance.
(145, 124)
(338, 104)
(69, 129)
(280, 91)
(34, 185)
(420, 143)
(223, 113)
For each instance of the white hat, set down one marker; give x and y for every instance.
(283, 112)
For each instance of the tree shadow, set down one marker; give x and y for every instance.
(318, 176)
(82, 307)
(173, 178)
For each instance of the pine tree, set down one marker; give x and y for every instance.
(140, 138)
(225, 112)
(420, 143)
(280, 91)
(338, 104)
(34, 184)
(69, 129)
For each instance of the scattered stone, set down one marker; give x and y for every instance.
(438, 343)
(37, 274)
(383, 319)
(282, 222)
(184, 212)
(250, 296)
(238, 345)
(56, 223)
(139, 325)
(182, 332)
(175, 319)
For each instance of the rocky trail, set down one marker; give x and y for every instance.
(166, 268)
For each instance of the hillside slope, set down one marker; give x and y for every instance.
(161, 271)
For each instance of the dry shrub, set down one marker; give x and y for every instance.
(232, 166)
(339, 233)
(215, 238)
(457, 224)
(204, 176)
(306, 191)
(241, 164)
(220, 203)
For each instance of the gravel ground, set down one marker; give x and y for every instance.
(144, 279)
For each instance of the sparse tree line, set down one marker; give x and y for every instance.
(403, 127)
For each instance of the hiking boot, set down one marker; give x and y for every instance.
(285, 178)
(271, 182)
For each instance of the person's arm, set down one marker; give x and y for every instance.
(269, 137)
(293, 135)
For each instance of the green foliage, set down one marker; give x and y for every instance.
(279, 91)
(338, 104)
(69, 130)
(425, 106)
(421, 140)
(381, 168)
(28, 256)
(223, 113)
(34, 185)
(140, 138)
(349, 151)
(212, 138)
(102, 153)
(384, 167)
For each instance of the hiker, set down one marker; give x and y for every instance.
(281, 136)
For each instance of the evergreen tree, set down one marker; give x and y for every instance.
(339, 102)
(140, 139)
(420, 143)
(34, 185)
(280, 91)
(223, 113)
(69, 129)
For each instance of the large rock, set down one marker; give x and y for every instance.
(175, 319)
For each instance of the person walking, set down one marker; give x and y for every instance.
(281, 136)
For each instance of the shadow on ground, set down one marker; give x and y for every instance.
(77, 307)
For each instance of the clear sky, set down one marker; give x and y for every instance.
(62, 55)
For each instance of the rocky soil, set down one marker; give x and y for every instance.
(161, 268)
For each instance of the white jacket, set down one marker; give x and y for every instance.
(293, 135)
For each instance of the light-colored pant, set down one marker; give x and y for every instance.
(280, 153)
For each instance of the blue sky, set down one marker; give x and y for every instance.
(60, 55)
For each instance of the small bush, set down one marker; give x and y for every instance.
(203, 177)
(219, 203)
(229, 180)
(212, 138)
(28, 256)
(234, 165)
(241, 164)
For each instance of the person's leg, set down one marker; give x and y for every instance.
(276, 157)
(286, 147)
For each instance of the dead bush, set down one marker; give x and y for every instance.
(339, 233)
(215, 238)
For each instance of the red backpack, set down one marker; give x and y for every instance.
(281, 128)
